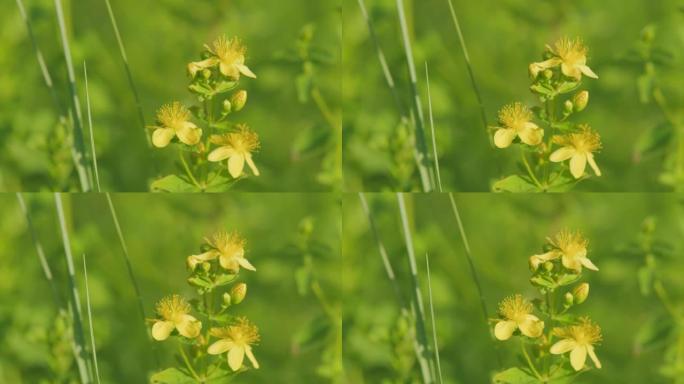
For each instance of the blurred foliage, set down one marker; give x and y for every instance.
(161, 231)
(160, 38)
(503, 37)
(503, 231)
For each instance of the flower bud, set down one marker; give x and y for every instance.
(192, 262)
(569, 299)
(238, 293)
(239, 99)
(568, 106)
(206, 266)
(548, 73)
(581, 292)
(227, 107)
(548, 266)
(206, 73)
(226, 299)
(581, 100)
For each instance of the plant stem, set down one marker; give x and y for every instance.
(188, 364)
(187, 170)
(432, 317)
(529, 361)
(529, 170)
(90, 321)
(432, 129)
(90, 125)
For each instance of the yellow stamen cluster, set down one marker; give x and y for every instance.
(515, 307)
(243, 141)
(243, 332)
(225, 241)
(585, 333)
(171, 307)
(515, 115)
(585, 140)
(172, 115)
(229, 49)
(571, 50)
(570, 242)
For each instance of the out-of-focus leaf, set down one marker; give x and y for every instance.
(653, 140)
(312, 335)
(514, 183)
(515, 376)
(653, 332)
(173, 183)
(645, 277)
(171, 376)
(645, 87)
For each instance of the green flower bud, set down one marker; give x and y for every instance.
(581, 292)
(569, 299)
(548, 73)
(238, 293)
(568, 106)
(206, 266)
(227, 107)
(206, 73)
(581, 100)
(226, 299)
(239, 99)
(548, 266)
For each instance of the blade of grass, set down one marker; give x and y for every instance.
(432, 317)
(90, 320)
(473, 270)
(422, 348)
(78, 150)
(383, 253)
(131, 276)
(383, 61)
(80, 351)
(432, 129)
(41, 61)
(471, 74)
(422, 158)
(40, 252)
(129, 74)
(90, 127)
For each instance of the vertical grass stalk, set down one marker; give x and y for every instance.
(90, 128)
(90, 321)
(432, 317)
(383, 61)
(471, 74)
(80, 351)
(78, 151)
(422, 158)
(432, 130)
(40, 252)
(383, 253)
(422, 347)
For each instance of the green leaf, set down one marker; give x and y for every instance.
(653, 332)
(645, 87)
(645, 277)
(222, 280)
(514, 183)
(312, 335)
(515, 376)
(219, 376)
(173, 183)
(562, 183)
(303, 83)
(543, 281)
(567, 87)
(171, 376)
(224, 86)
(567, 279)
(220, 184)
(541, 89)
(199, 282)
(653, 140)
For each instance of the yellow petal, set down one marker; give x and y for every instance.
(162, 137)
(250, 356)
(161, 330)
(189, 134)
(587, 263)
(236, 164)
(571, 71)
(244, 263)
(220, 346)
(504, 137)
(235, 357)
(592, 354)
(563, 346)
(531, 326)
(197, 66)
(578, 163)
(229, 263)
(221, 153)
(189, 327)
(531, 134)
(504, 329)
(562, 154)
(245, 71)
(251, 164)
(229, 70)
(592, 163)
(578, 356)
(587, 71)
(571, 263)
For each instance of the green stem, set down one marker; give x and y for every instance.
(529, 170)
(187, 170)
(529, 361)
(188, 364)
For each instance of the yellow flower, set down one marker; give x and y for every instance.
(515, 119)
(229, 248)
(571, 248)
(579, 147)
(237, 340)
(571, 55)
(516, 313)
(174, 311)
(579, 340)
(174, 120)
(229, 55)
(237, 147)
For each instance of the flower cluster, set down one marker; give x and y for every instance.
(211, 272)
(213, 138)
(553, 139)
(545, 324)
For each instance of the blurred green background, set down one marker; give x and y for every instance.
(299, 343)
(161, 37)
(503, 37)
(504, 230)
